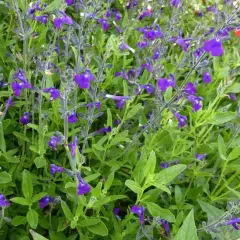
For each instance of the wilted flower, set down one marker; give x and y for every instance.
(213, 46)
(25, 118)
(182, 120)
(72, 117)
(73, 145)
(83, 187)
(54, 169)
(43, 202)
(3, 201)
(54, 93)
(206, 77)
(190, 89)
(164, 83)
(83, 80)
(139, 211)
(196, 102)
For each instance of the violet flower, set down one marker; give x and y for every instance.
(233, 96)
(83, 187)
(72, 117)
(73, 145)
(156, 54)
(200, 156)
(124, 46)
(120, 103)
(3, 201)
(182, 120)
(116, 14)
(175, 3)
(147, 65)
(20, 75)
(165, 226)
(64, 19)
(196, 102)
(190, 89)
(148, 87)
(9, 103)
(54, 93)
(150, 33)
(83, 80)
(42, 19)
(183, 43)
(123, 74)
(164, 165)
(233, 222)
(43, 202)
(145, 13)
(132, 3)
(139, 211)
(134, 73)
(164, 83)
(143, 44)
(198, 53)
(54, 169)
(116, 211)
(18, 87)
(206, 77)
(34, 8)
(213, 46)
(94, 104)
(104, 24)
(104, 130)
(54, 141)
(213, 9)
(69, 2)
(25, 118)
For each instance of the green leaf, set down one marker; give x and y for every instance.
(188, 230)
(91, 177)
(37, 236)
(19, 220)
(135, 109)
(5, 177)
(221, 148)
(151, 164)
(38, 196)
(33, 126)
(235, 88)
(99, 229)
(40, 162)
(109, 118)
(20, 200)
(220, 118)
(109, 182)
(162, 187)
(32, 218)
(21, 136)
(235, 153)
(157, 211)
(89, 222)
(53, 6)
(2, 139)
(68, 214)
(27, 186)
(135, 187)
(168, 174)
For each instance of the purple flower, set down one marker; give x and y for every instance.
(182, 120)
(150, 33)
(104, 24)
(120, 103)
(145, 13)
(20, 75)
(42, 19)
(147, 65)
(72, 117)
(108, 13)
(124, 46)
(131, 3)
(134, 73)
(116, 14)
(164, 165)
(164, 83)
(104, 130)
(118, 29)
(224, 32)
(142, 44)
(165, 226)
(64, 19)
(83, 187)
(116, 122)
(139, 211)
(18, 87)
(198, 53)
(123, 74)
(233, 96)
(233, 222)
(94, 104)
(206, 77)
(43, 202)
(3, 201)
(156, 54)
(54, 141)
(196, 102)
(190, 88)
(25, 118)
(213, 46)
(200, 156)
(83, 80)
(54, 169)
(183, 43)
(116, 211)
(148, 87)
(54, 93)
(175, 3)
(73, 145)
(34, 8)
(9, 103)
(69, 2)
(212, 9)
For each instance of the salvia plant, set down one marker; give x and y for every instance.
(119, 119)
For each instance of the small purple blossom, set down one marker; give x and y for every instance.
(116, 14)
(69, 2)
(18, 87)
(54, 141)
(139, 211)
(190, 89)
(142, 44)
(3, 201)
(151, 34)
(182, 120)
(213, 9)
(116, 122)
(104, 130)
(25, 118)
(43, 202)
(165, 226)
(123, 74)
(132, 3)
(83, 187)
(164, 165)
(233, 222)
(164, 83)
(206, 77)
(156, 54)
(213, 46)
(73, 145)
(83, 80)
(198, 53)
(124, 46)
(233, 96)
(64, 19)
(54, 93)
(200, 156)
(94, 104)
(42, 19)
(145, 13)
(104, 24)
(196, 102)
(120, 103)
(34, 8)
(183, 43)
(175, 3)
(148, 87)
(54, 169)
(72, 117)
(9, 103)
(147, 65)
(134, 73)
(116, 211)
(20, 75)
